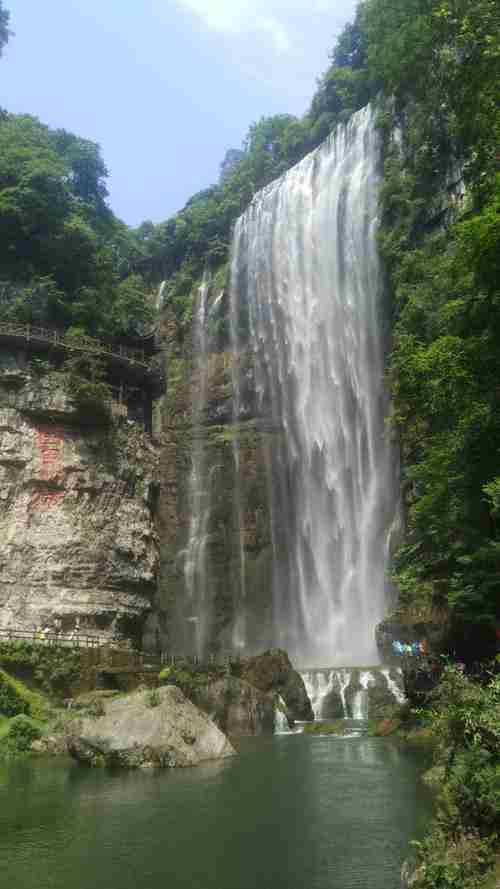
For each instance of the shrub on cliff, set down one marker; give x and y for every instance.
(20, 735)
(54, 668)
(11, 702)
(460, 847)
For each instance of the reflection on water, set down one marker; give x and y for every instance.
(291, 812)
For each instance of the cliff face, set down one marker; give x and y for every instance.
(225, 529)
(77, 538)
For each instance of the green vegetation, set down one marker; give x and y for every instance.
(4, 27)
(65, 259)
(52, 667)
(337, 727)
(21, 733)
(189, 678)
(24, 714)
(442, 63)
(11, 701)
(464, 720)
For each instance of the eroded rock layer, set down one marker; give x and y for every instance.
(78, 549)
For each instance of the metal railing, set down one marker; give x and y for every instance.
(55, 338)
(115, 653)
(42, 637)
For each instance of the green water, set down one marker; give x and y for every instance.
(291, 812)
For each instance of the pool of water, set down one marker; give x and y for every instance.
(290, 812)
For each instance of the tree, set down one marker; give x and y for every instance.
(4, 27)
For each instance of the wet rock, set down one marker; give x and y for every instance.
(272, 671)
(411, 875)
(237, 707)
(332, 707)
(163, 730)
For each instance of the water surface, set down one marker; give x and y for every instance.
(290, 812)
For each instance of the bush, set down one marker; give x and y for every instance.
(458, 862)
(54, 667)
(465, 720)
(22, 732)
(11, 702)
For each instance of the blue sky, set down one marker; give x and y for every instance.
(164, 86)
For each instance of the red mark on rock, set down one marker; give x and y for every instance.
(50, 444)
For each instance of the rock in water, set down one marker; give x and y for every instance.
(273, 671)
(160, 728)
(237, 707)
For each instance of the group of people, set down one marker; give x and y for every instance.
(48, 633)
(411, 649)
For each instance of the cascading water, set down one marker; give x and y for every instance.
(360, 702)
(195, 573)
(306, 301)
(346, 692)
(395, 687)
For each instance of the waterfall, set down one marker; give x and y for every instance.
(281, 726)
(346, 691)
(360, 702)
(195, 568)
(396, 690)
(306, 305)
(160, 299)
(320, 684)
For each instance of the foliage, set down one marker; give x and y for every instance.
(4, 27)
(441, 61)
(11, 702)
(64, 257)
(21, 733)
(54, 667)
(465, 719)
(189, 678)
(83, 379)
(458, 862)
(337, 727)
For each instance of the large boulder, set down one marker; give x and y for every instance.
(237, 707)
(148, 728)
(272, 671)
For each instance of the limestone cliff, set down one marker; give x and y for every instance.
(77, 537)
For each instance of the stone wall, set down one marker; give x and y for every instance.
(77, 538)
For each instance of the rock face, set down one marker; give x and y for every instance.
(237, 707)
(77, 537)
(148, 729)
(273, 672)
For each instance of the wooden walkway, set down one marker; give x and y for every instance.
(42, 337)
(116, 656)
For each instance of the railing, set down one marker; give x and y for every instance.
(60, 340)
(111, 653)
(42, 637)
